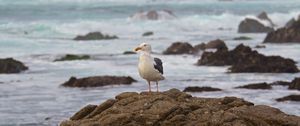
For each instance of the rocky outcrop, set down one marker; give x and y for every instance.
(289, 98)
(242, 38)
(295, 84)
(250, 25)
(245, 60)
(95, 36)
(147, 34)
(200, 89)
(70, 57)
(216, 44)
(263, 86)
(176, 108)
(10, 65)
(98, 81)
(264, 16)
(260, 46)
(153, 15)
(180, 48)
(290, 34)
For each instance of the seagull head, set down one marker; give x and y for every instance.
(143, 47)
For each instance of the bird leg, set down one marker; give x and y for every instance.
(156, 86)
(149, 86)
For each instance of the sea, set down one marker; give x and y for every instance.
(37, 32)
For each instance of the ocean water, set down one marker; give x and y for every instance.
(38, 31)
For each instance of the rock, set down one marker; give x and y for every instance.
(95, 36)
(98, 81)
(200, 89)
(180, 48)
(260, 46)
(290, 23)
(264, 16)
(242, 38)
(70, 57)
(153, 15)
(289, 98)
(216, 44)
(285, 35)
(256, 86)
(249, 25)
(148, 33)
(281, 83)
(10, 65)
(295, 84)
(129, 52)
(176, 108)
(83, 112)
(200, 46)
(245, 60)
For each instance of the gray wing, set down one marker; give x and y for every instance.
(158, 65)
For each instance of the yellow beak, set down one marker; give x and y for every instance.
(137, 49)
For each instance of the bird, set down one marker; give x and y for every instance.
(150, 69)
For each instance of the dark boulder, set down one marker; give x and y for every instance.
(242, 38)
(285, 35)
(249, 25)
(180, 48)
(264, 16)
(200, 89)
(147, 34)
(10, 65)
(295, 84)
(281, 83)
(95, 36)
(256, 86)
(200, 46)
(70, 57)
(216, 44)
(245, 60)
(176, 108)
(289, 98)
(260, 46)
(98, 81)
(290, 23)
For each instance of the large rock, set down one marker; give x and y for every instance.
(200, 89)
(244, 59)
(180, 48)
(263, 86)
(264, 16)
(95, 36)
(176, 108)
(249, 25)
(295, 84)
(98, 81)
(289, 98)
(153, 15)
(216, 44)
(10, 65)
(289, 34)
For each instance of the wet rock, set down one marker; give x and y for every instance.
(281, 83)
(285, 35)
(83, 112)
(256, 86)
(249, 25)
(290, 23)
(70, 57)
(173, 107)
(242, 38)
(129, 52)
(260, 46)
(216, 44)
(147, 34)
(10, 65)
(180, 48)
(264, 16)
(200, 46)
(95, 36)
(245, 60)
(289, 98)
(98, 81)
(295, 84)
(200, 89)
(153, 15)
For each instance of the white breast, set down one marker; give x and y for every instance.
(147, 70)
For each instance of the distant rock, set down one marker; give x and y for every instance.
(245, 60)
(289, 98)
(200, 89)
(216, 44)
(70, 57)
(242, 38)
(253, 26)
(290, 34)
(10, 65)
(97, 81)
(290, 23)
(281, 83)
(256, 86)
(264, 16)
(295, 84)
(200, 46)
(154, 15)
(176, 108)
(180, 48)
(260, 46)
(149, 33)
(129, 52)
(95, 36)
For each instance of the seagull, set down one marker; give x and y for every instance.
(150, 69)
